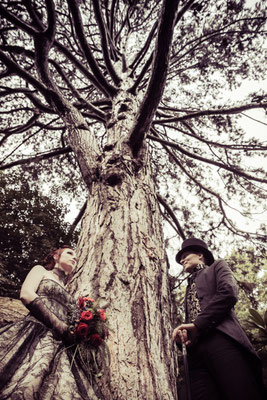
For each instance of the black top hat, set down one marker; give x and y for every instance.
(195, 245)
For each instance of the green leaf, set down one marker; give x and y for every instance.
(265, 318)
(256, 317)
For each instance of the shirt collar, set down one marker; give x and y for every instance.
(197, 268)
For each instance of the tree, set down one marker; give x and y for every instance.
(31, 225)
(109, 86)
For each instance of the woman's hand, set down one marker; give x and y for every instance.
(185, 333)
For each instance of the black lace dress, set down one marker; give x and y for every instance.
(34, 364)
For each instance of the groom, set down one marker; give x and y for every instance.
(222, 362)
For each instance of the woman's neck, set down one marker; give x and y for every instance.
(60, 274)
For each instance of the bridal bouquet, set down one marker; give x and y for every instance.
(89, 326)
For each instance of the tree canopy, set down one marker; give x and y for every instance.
(90, 59)
(31, 225)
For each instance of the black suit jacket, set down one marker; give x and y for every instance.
(217, 292)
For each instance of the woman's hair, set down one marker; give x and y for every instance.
(49, 261)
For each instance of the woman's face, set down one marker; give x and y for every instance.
(67, 260)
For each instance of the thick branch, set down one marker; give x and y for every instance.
(77, 20)
(43, 42)
(51, 96)
(158, 77)
(104, 42)
(144, 49)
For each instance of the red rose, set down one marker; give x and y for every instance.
(81, 302)
(86, 315)
(81, 330)
(88, 299)
(102, 314)
(95, 340)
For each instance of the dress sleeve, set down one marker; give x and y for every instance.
(221, 303)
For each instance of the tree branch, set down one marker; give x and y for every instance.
(141, 75)
(43, 42)
(231, 226)
(183, 10)
(240, 146)
(234, 170)
(77, 220)
(158, 77)
(77, 20)
(219, 111)
(100, 114)
(19, 129)
(16, 21)
(172, 215)
(14, 67)
(144, 50)
(207, 36)
(104, 42)
(38, 158)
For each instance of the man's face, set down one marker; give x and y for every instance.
(190, 260)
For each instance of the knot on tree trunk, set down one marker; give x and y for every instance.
(114, 179)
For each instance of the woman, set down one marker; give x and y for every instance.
(36, 353)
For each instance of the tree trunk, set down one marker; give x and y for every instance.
(122, 262)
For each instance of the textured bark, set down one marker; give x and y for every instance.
(122, 263)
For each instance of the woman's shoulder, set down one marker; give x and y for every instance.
(38, 268)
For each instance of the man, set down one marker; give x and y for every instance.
(222, 362)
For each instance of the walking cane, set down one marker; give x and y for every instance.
(186, 372)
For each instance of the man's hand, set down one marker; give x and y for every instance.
(185, 333)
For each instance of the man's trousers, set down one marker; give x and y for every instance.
(221, 369)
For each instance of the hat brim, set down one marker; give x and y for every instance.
(207, 254)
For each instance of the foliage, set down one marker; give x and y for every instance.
(86, 57)
(31, 225)
(256, 325)
(258, 322)
(249, 268)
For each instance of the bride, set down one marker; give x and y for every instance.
(36, 359)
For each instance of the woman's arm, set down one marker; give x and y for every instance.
(37, 307)
(31, 283)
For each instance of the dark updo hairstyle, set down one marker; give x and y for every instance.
(49, 261)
